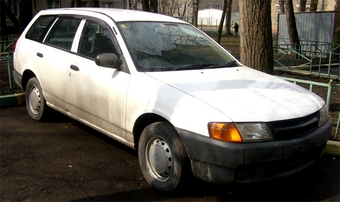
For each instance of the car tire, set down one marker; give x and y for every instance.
(162, 157)
(35, 101)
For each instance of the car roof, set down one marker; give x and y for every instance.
(119, 15)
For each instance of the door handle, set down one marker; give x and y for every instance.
(40, 55)
(75, 68)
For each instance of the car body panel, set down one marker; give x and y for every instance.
(99, 96)
(25, 54)
(54, 82)
(263, 97)
(160, 98)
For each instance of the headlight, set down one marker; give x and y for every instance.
(240, 132)
(323, 116)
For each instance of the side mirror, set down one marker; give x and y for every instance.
(108, 60)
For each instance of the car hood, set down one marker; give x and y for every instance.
(244, 94)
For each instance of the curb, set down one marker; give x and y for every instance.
(12, 100)
(332, 147)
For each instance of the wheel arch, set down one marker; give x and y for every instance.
(143, 121)
(27, 75)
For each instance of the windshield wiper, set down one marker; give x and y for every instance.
(207, 66)
(231, 64)
(197, 66)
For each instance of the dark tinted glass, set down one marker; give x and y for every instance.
(40, 27)
(95, 39)
(63, 32)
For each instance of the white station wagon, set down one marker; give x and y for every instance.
(163, 87)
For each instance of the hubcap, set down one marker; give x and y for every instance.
(34, 100)
(160, 160)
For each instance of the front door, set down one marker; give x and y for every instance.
(97, 95)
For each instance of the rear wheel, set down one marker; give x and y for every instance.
(35, 101)
(162, 156)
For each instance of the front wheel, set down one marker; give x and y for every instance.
(162, 156)
(35, 101)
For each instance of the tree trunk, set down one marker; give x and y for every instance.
(76, 3)
(154, 6)
(256, 39)
(25, 13)
(6, 12)
(282, 6)
(313, 5)
(96, 3)
(145, 5)
(184, 10)
(195, 6)
(220, 27)
(292, 30)
(228, 18)
(130, 5)
(302, 7)
(336, 37)
(3, 26)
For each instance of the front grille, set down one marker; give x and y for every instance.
(294, 127)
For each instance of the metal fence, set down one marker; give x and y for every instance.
(6, 55)
(7, 44)
(7, 59)
(317, 58)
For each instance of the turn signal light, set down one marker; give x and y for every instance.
(225, 132)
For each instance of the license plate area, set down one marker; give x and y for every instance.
(302, 148)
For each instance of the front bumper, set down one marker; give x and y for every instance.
(222, 162)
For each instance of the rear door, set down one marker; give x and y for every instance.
(53, 58)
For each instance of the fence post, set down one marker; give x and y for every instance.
(9, 73)
(329, 93)
(330, 60)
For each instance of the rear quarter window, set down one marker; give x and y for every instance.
(40, 27)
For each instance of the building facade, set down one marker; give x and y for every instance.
(213, 4)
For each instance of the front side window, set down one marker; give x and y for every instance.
(156, 46)
(40, 27)
(63, 32)
(95, 39)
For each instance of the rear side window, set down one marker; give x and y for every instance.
(63, 32)
(40, 27)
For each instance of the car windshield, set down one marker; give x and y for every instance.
(157, 46)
